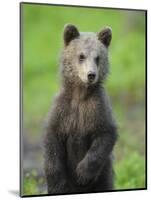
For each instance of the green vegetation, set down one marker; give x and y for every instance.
(30, 184)
(42, 42)
(128, 174)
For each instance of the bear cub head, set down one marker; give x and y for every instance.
(84, 59)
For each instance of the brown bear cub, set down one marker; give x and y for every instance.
(81, 131)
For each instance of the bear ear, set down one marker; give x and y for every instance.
(70, 33)
(105, 36)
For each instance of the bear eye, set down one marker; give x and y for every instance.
(97, 60)
(81, 57)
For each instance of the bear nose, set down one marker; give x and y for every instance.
(91, 76)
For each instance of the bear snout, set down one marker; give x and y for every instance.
(91, 76)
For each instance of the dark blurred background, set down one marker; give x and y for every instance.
(42, 43)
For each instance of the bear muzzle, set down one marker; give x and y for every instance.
(91, 76)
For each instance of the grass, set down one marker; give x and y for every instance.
(42, 43)
(130, 173)
(30, 185)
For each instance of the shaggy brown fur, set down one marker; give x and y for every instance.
(81, 131)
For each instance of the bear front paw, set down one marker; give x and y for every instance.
(84, 177)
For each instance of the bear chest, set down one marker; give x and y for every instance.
(80, 118)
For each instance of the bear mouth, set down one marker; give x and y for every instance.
(91, 81)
